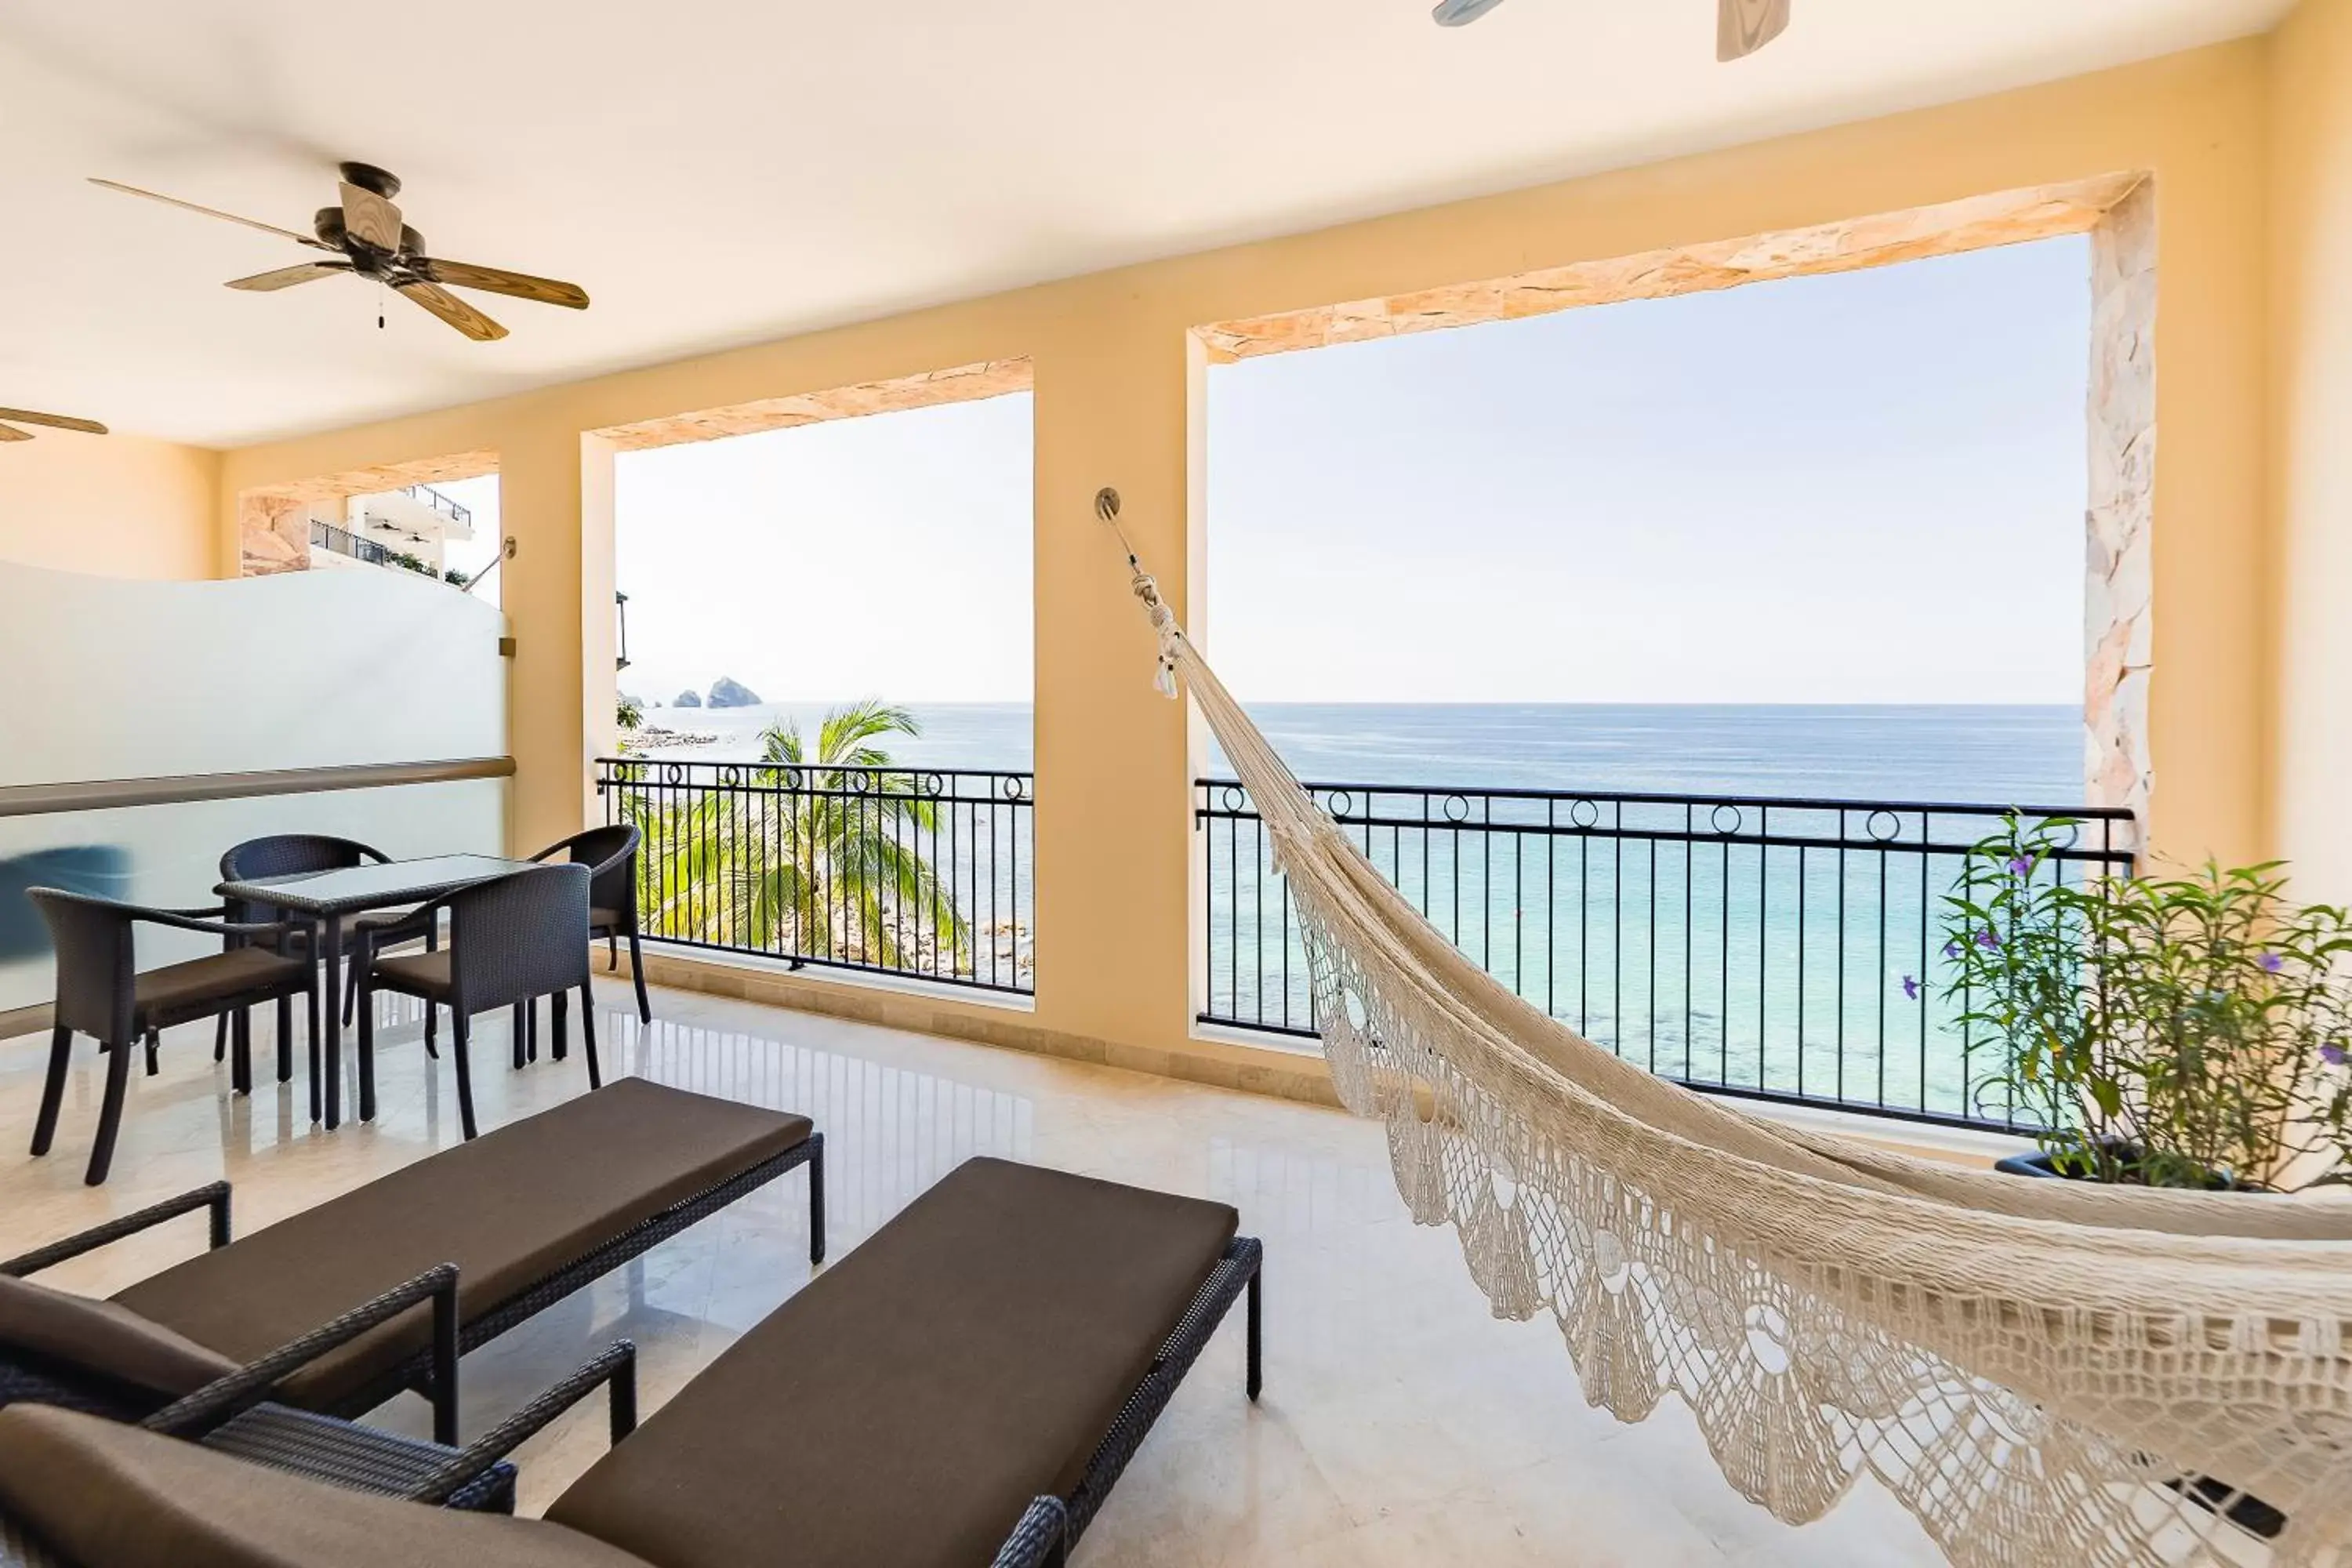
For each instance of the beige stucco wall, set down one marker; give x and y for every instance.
(1118, 388)
(115, 506)
(2311, 493)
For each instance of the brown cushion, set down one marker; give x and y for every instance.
(509, 1209)
(105, 1340)
(906, 1405)
(178, 986)
(602, 919)
(418, 973)
(111, 1496)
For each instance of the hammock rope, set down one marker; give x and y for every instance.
(2042, 1372)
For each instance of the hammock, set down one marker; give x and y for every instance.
(2043, 1372)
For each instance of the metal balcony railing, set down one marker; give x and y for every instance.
(326, 536)
(1783, 949)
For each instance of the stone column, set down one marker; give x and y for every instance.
(2117, 765)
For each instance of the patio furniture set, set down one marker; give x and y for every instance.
(964, 1388)
(315, 917)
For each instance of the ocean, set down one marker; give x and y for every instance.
(2028, 755)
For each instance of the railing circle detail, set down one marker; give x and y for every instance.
(1457, 808)
(1233, 797)
(1341, 804)
(1886, 833)
(1584, 813)
(1013, 787)
(1715, 819)
(931, 784)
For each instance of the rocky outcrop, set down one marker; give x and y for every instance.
(686, 700)
(727, 692)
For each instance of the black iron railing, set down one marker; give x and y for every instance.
(327, 536)
(454, 511)
(1784, 948)
(922, 872)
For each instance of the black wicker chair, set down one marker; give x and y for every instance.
(512, 941)
(611, 856)
(289, 855)
(101, 992)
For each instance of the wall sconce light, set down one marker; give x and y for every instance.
(621, 609)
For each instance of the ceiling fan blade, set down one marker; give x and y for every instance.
(497, 280)
(287, 277)
(27, 416)
(1461, 13)
(454, 311)
(368, 218)
(1744, 26)
(8, 435)
(311, 240)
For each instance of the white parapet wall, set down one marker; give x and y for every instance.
(106, 681)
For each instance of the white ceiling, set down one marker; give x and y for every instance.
(719, 171)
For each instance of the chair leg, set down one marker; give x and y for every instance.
(465, 1073)
(559, 1008)
(351, 989)
(522, 1032)
(637, 973)
(310, 1003)
(285, 1039)
(587, 1032)
(220, 1038)
(367, 1055)
(53, 1088)
(1255, 1336)
(154, 1064)
(240, 1053)
(432, 1019)
(817, 1201)
(612, 952)
(109, 1113)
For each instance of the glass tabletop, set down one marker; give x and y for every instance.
(349, 890)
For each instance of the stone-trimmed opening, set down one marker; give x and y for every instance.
(273, 521)
(926, 389)
(2117, 210)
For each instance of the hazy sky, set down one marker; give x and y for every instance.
(1864, 488)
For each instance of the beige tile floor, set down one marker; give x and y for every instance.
(1401, 1423)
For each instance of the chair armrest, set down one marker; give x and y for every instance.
(179, 921)
(240, 1390)
(213, 1197)
(1038, 1539)
(616, 1363)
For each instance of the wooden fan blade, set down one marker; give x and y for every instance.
(287, 277)
(454, 311)
(27, 416)
(311, 240)
(368, 218)
(1744, 26)
(497, 280)
(8, 435)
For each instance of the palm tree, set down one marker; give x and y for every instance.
(822, 856)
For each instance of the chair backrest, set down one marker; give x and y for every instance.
(95, 960)
(518, 937)
(616, 888)
(289, 854)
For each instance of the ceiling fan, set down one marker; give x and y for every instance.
(56, 421)
(1741, 27)
(367, 239)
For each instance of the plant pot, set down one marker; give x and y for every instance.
(2248, 1512)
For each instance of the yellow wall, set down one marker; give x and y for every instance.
(114, 506)
(1118, 386)
(2311, 335)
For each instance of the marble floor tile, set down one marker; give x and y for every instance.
(1401, 1423)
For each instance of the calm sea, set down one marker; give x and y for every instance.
(2027, 755)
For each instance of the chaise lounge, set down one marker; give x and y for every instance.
(527, 1214)
(964, 1388)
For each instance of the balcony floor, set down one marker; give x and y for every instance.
(1401, 1423)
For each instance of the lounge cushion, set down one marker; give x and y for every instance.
(416, 974)
(905, 1406)
(601, 918)
(105, 1340)
(509, 1209)
(111, 1496)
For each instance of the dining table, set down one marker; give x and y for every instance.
(328, 898)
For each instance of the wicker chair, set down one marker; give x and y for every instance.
(512, 941)
(101, 991)
(289, 855)
(611, 856)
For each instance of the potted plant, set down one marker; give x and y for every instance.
(2186, 1031)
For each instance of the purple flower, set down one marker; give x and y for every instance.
(2332, 1053)
(1987, 940)
(2021, 866)
(1911, 987)
(1951, 949)
(2271, 963)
